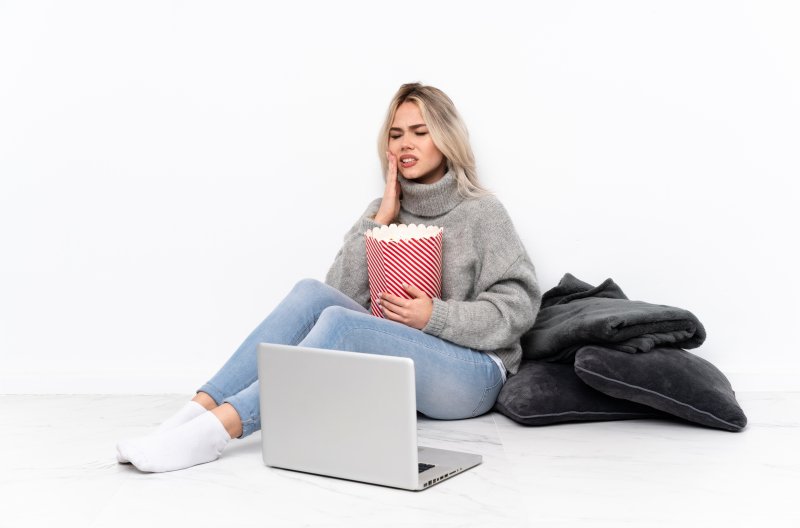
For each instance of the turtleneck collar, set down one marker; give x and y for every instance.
(431, 199)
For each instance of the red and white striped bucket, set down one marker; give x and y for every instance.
(398, 254)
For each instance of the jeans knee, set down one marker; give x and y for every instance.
(333, 315)
(335, 322)
(307, 285)
(330, 328)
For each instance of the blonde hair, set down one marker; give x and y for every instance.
(448, 132)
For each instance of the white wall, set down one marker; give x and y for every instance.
(168, 170)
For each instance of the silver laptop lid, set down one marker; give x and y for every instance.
(342, 414)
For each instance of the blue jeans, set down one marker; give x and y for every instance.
(452, 382)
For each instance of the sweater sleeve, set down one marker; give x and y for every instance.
(497, 317)
(348, 273)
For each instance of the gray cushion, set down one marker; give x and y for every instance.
(575, 313)
(543, 393)
(669, 379)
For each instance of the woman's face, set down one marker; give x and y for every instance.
(409, 138)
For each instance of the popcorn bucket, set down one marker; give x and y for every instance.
(398, 254)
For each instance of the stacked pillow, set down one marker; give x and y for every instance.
(546, 393)
(594, 374)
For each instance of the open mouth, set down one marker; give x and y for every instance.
(408, 162)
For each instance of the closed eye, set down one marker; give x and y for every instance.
(418, 133)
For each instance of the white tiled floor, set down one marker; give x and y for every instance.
(57, 468)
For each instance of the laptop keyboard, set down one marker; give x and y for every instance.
(424, 467)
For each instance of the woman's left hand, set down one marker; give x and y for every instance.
(414, 312)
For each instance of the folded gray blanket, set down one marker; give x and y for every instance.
(574, 314)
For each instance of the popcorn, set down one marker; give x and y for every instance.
(398, 254)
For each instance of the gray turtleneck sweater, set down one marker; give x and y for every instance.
(490, 293)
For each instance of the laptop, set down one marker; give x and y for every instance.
(347, 415)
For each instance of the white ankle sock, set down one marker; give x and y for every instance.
(198, 441)
(190, 410)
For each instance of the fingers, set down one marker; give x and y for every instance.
(402, 301)
(393, 312)
(407, 311)
(393, 300)
(392, 164)
(394, 308)
(413, 290)
(390, 205)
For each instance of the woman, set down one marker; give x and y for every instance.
(462, 345)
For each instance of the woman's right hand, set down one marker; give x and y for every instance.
(390, 205)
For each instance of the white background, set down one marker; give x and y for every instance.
(169, 170)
